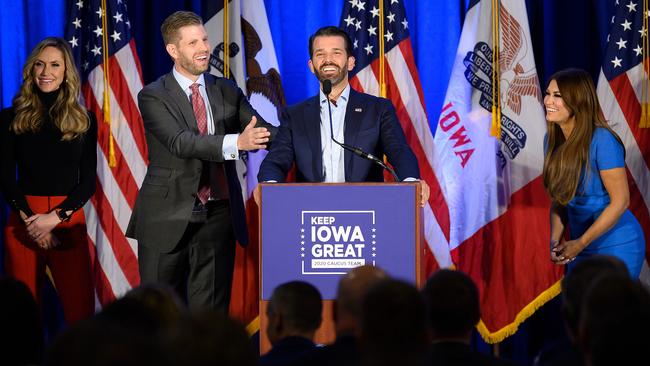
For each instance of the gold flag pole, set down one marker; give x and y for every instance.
(226, 41)
(382, 75)
(645, 119)
(112, 162)
(495, 128)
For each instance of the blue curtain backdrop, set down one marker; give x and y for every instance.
(564, 34)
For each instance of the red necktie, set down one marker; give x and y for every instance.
(202, 122)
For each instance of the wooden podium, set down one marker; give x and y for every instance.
(318, 232)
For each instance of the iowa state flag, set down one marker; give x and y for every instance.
(498, 209)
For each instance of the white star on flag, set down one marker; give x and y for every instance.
(626, 25)
(74, 42)
(117, 17)
(98, 31)
(617, 62)
(97, 51)
(115, 36)
(631, 7)
(621, 43)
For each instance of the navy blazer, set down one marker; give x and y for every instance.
(370, 124)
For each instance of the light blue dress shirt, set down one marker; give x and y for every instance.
(333, 154)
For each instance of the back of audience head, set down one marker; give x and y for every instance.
(100, 341)
(295, 309)
(576, 283)
(161, 300)
(393, 329)
(349, 297)
(613, 328)
(453, 307)
(127, 331)
(208, 338)
(21, 338)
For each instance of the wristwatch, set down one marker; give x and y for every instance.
(62, 215)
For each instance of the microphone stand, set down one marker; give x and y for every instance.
(327, 89)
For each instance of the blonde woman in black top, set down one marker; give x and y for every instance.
(48, 165)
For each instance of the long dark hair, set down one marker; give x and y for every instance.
(566, 157)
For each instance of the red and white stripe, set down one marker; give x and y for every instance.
(109, 210)
(620, 100)
(405, 92)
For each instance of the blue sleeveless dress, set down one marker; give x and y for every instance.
(625, 239)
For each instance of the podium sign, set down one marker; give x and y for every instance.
(318, 232)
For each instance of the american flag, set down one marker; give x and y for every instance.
(94, 28)
(622, 88)
(360, 19)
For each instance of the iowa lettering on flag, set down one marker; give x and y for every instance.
(498, 209)
(250, 44)
(621, 84)
(92, 31)
(360, 19)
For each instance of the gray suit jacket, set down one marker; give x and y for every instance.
(176, 154)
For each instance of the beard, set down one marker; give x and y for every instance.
(189, 65)
(335, 78)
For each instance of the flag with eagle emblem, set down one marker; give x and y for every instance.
(498, 210)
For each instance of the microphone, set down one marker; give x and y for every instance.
(327, 89)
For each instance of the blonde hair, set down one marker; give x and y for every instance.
(565, 158)
(66, 112)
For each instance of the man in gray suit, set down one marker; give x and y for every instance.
(190, 211)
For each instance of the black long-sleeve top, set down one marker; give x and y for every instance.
(41, 164)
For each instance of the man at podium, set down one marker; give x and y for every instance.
(336, 136)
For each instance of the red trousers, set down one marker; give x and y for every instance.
(69, 262)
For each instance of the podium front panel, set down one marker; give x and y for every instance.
(317, 233)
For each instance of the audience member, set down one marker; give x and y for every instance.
(294, 313)
(210, 338)
(129, 331)
(393, 325)
(125, 335)
(161, 300)
(21, 339)
(347, 314)
(574, 285)
(453, 310)
(613, 328)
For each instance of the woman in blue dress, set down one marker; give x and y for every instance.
(584, 174)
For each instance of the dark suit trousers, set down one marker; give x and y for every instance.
(200, 267)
